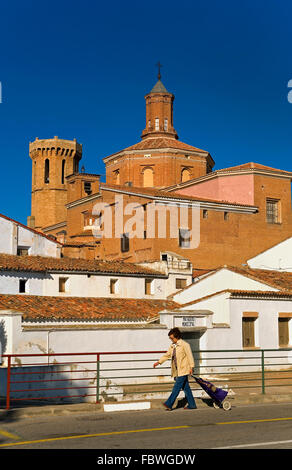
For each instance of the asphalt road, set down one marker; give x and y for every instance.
(264, 426)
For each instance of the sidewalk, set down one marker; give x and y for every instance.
(28, 411)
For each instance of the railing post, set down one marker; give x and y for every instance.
(8, 383)
(263, 371)
(97, 376)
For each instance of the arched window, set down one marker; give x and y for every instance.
(47, 170)
(185, 175)
(117, 177)
(63, 171)
(148, 178)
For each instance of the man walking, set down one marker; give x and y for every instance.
(182, 364)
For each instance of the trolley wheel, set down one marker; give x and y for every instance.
(226, 405)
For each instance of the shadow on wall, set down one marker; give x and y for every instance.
(3, 337)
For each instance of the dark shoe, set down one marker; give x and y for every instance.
(166, 407)
(189, 408)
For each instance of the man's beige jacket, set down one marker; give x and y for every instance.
(184, 358)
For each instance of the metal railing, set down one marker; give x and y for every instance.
(116, 375)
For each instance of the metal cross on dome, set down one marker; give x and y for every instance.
(159, 65)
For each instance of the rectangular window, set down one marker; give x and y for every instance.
(125, 244)
(145, 235)
(205, 214)
(22, 251)
(272, 211)
(157, 124)
(283, 328)
(180, 283)
(113, 286)
(248, 337)
(62, 284)
(226, 215)
(87, 187)
(165, 124)
(22, 285)
(184, 238)
(148, 286)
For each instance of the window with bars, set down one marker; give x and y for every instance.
(272, 211)
(87, 187)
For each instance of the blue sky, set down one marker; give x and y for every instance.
(80, 69)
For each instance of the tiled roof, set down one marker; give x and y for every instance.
(30, 229)
(222, 171)
(250, 166)
(242, 293)
(200, 272)
(154, 192)
(153, 143)
(46, 308)
(44, 264)
(162, 142)
(278, 279)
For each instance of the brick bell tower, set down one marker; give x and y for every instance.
(52, 161)
(159, 112)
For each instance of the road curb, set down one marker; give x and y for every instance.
(68, 409)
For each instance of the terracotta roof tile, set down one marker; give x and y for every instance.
(200, 272)
(162, 142)
(44, 264)
(45, 308)
(251, 166)
(154, 192)
(278, 279)
(240, 293)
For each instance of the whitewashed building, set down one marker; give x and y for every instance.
(18, 239)
(39, 275)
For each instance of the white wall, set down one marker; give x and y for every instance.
(13, 236)
(80, 285)
(278, 257)
(39, 245)
(99, 286)
(9, 282)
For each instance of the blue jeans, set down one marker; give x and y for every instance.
(181, 383)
